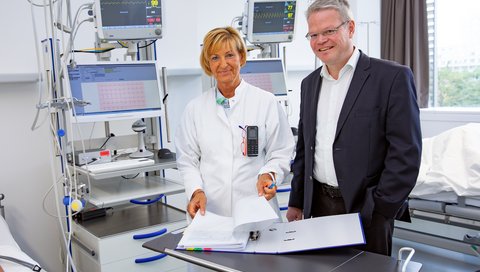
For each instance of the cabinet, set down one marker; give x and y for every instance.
(114, 242)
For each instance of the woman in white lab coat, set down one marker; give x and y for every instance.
(211, 139)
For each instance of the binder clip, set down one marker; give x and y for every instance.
(254, 235)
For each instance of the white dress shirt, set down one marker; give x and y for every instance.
(332, 95)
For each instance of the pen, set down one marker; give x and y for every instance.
(274, 181)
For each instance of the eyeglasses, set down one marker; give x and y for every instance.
(326, 33)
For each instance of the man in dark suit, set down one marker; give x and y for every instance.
(359, 139)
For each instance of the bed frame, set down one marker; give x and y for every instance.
(453, 226)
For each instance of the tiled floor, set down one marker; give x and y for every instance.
(435, 259)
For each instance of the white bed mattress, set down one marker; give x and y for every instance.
(10, 248)
(450, 166)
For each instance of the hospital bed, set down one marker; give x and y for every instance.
(12, 258)
(445, 203)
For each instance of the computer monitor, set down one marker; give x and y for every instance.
(270, 21)
(129, 20)
(267, 74)
(115, 91)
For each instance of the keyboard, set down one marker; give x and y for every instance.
(117, 165)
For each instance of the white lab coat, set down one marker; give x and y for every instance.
(208, 145)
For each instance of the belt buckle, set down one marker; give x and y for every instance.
(331, 191)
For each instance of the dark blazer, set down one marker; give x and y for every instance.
(377, 145)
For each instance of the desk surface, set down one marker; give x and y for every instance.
(338, 259)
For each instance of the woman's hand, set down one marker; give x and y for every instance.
(198, 201)
(266, 186)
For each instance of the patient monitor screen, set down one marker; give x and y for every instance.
(266, 74)
(128, 19)
(273, 21)
(115, 90)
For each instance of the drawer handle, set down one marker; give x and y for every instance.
(149, 235)
(284, 190)
(146, 202)
(283, 208)
(151, 259)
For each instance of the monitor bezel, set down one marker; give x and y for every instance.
(283, 72)
(119, 115)
(123, 33)
(256, 38)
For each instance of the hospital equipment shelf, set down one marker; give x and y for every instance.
(159, 164)
(114, 242)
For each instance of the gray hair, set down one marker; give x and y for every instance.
(342, 6)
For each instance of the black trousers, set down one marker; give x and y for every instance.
(378, 234)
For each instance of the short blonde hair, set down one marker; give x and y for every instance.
(217, 38)
(341, 6)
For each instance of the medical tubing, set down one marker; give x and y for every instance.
(59, 217)
(37, 55)
(39, 5)
(149, 235)
(151, 259)
(146, 202)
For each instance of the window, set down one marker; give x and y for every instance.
(454, 51)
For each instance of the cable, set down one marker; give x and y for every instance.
(33, 267)
(121, 43)
(148, 44)
(111, 135)
(125, 177)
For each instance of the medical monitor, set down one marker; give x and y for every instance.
(115, 91)
(267, 74)
(128, 19)
(270, 21)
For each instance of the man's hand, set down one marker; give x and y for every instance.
(198, 201)
(266, 186)
(294, 214)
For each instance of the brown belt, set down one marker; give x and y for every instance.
(333, 192)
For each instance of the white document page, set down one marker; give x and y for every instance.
(253, 213)
(212, 231)
(215, 232)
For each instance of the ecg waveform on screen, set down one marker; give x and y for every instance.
(262, 81)
(124, 3)
(153, 3)
(269, 15)
(121, 96)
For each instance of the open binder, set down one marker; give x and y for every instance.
(219, 233)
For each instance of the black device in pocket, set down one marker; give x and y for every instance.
(252, 141)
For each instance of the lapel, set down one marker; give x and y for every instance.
(316, 85)
(359, 77)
